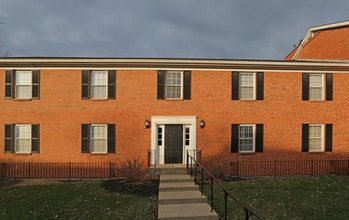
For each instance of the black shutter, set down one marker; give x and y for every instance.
(36, 84)
(329, 86)
(260, 86)
(187, 85)
(161, 84)
(85, 140)
(305, 86)
(235, 85)
(305, 137)
(111, 138)
(259, 137)
(235, 138)
(85, 84)
(8, 138)
(35, 138)
(111, 84)
(8, 84)
(329, 128)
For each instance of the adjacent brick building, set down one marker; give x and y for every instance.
(112, 109)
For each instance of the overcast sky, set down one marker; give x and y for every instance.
(224, 29)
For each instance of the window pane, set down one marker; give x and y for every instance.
(316, 86)
(246, 85)
(98, 138)
(23, 77)
(23, 84)
(23, 92)
(246, 138)
(23, 138)
(315, 137)
(99, 84)
(98, 146)
(98, 77)
(173, 84)
(315, 93)
(98, 92)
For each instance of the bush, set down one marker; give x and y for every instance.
(217, 167)
(132, 170)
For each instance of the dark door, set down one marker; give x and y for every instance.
(173, 144)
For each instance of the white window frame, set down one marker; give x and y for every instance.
(316, 87)
(160, 135)
(17, 138)
(92, 96)
(104, 138)
(248, 86)
(253, 138)
(17, 84)
(187, 139)
(168, 85)
(322, 138)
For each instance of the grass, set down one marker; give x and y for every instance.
(325, 197)
(80, 200)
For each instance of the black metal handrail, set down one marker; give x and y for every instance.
(192, 169)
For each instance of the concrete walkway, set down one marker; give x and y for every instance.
(180, 198)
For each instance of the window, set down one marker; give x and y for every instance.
(187, 135)
(22, 84)
(97, 84)
(174, 85)
(22, 138)
(247, 86)
(316, 137)
(247, 138)
(98, 138)
(317, 86)
(247, 83)
(160, 135)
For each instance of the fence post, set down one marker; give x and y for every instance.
(29, 170)
(211, 193)
(69, 167)
(225, 205)
(312, 167)
(275, 169)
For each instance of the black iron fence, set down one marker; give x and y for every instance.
(232, 207)
(289, 168)
(59, 170)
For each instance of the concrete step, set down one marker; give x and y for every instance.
(175, 178)
(199, 211)
(175, 171)
(186, 186)
(181, 197)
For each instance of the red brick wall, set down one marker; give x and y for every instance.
(60, 111)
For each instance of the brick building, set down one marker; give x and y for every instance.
(112, 109)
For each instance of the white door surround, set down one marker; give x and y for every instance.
(159, 122)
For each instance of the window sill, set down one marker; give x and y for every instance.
(22, 99)
(22, 154)
(247, 153)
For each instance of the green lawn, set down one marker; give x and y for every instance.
(79, 200)
(325, 197)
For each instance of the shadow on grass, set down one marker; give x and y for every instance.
(146, 188)
(8, 183)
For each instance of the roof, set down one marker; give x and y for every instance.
(79, 63)
(326, 42)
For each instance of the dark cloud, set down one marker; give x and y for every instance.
(235, 29)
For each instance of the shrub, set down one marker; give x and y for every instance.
(132, 170)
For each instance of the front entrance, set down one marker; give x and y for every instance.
(173, 144)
